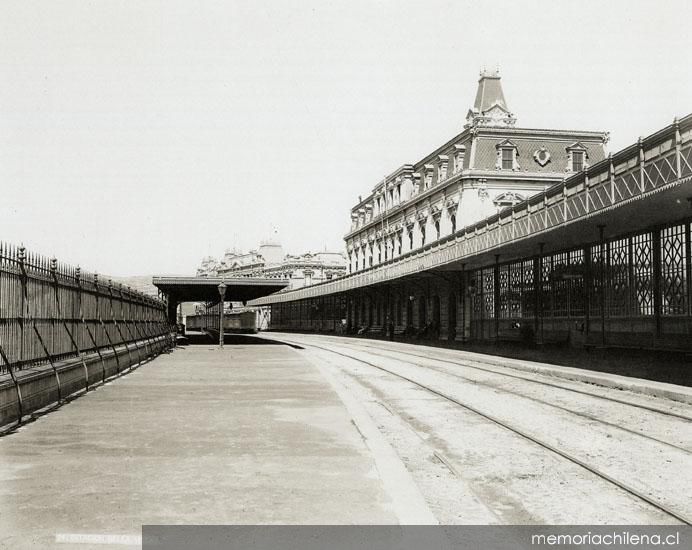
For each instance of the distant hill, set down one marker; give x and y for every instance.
(141, 283)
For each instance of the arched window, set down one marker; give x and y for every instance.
(410, 239)
(437, 229)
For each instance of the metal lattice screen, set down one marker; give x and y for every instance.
(674, 290)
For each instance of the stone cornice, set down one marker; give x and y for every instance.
(541, 133)
(539, 178)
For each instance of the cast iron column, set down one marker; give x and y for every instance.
(222, 294)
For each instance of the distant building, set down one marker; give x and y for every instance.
(270, 261)
(489, 166)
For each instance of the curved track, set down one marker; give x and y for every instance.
(348, 351)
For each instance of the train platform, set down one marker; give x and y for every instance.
(251, 434)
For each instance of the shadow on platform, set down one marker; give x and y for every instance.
(206, 339)
(661, 365)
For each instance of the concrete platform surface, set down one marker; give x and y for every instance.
(249, 435)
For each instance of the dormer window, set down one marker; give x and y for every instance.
(416, 183)
(506, 156)
(427, 181)
(577, 161)
(507, 159)
(443, 163)
(459, 151)
(576, 157)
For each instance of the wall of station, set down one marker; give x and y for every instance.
(630, 291)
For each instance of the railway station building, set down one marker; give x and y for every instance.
(509, 233)
(269, 261)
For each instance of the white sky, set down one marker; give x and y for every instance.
(137, 137)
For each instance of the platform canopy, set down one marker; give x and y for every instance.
(206, 289)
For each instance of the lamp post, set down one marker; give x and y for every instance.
(222, 294)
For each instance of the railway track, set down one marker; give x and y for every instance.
(681, 516)
(468, 364)
(534, 399)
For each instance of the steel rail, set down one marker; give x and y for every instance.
(524, 396)
(567, 456)
(464, 363)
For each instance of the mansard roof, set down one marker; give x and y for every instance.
(489, 93)
(505, 143)
(486, 153)
(489, 123)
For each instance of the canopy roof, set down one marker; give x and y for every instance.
(205, 289)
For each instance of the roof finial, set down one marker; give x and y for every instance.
(490, 107)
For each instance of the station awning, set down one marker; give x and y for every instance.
(205, 289)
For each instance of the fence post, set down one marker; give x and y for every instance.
(20, 408)
(80, 292)
(140, 331)
(21, 258)
(26, 312)
(128, 321)
(56, 283)
(115, 322)
(103, 325)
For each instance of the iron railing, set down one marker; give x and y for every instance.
(50, 311)
(657, 163)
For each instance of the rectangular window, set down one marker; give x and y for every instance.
(577, 161)
(507, 159)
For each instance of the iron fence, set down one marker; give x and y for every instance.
(50, 311)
